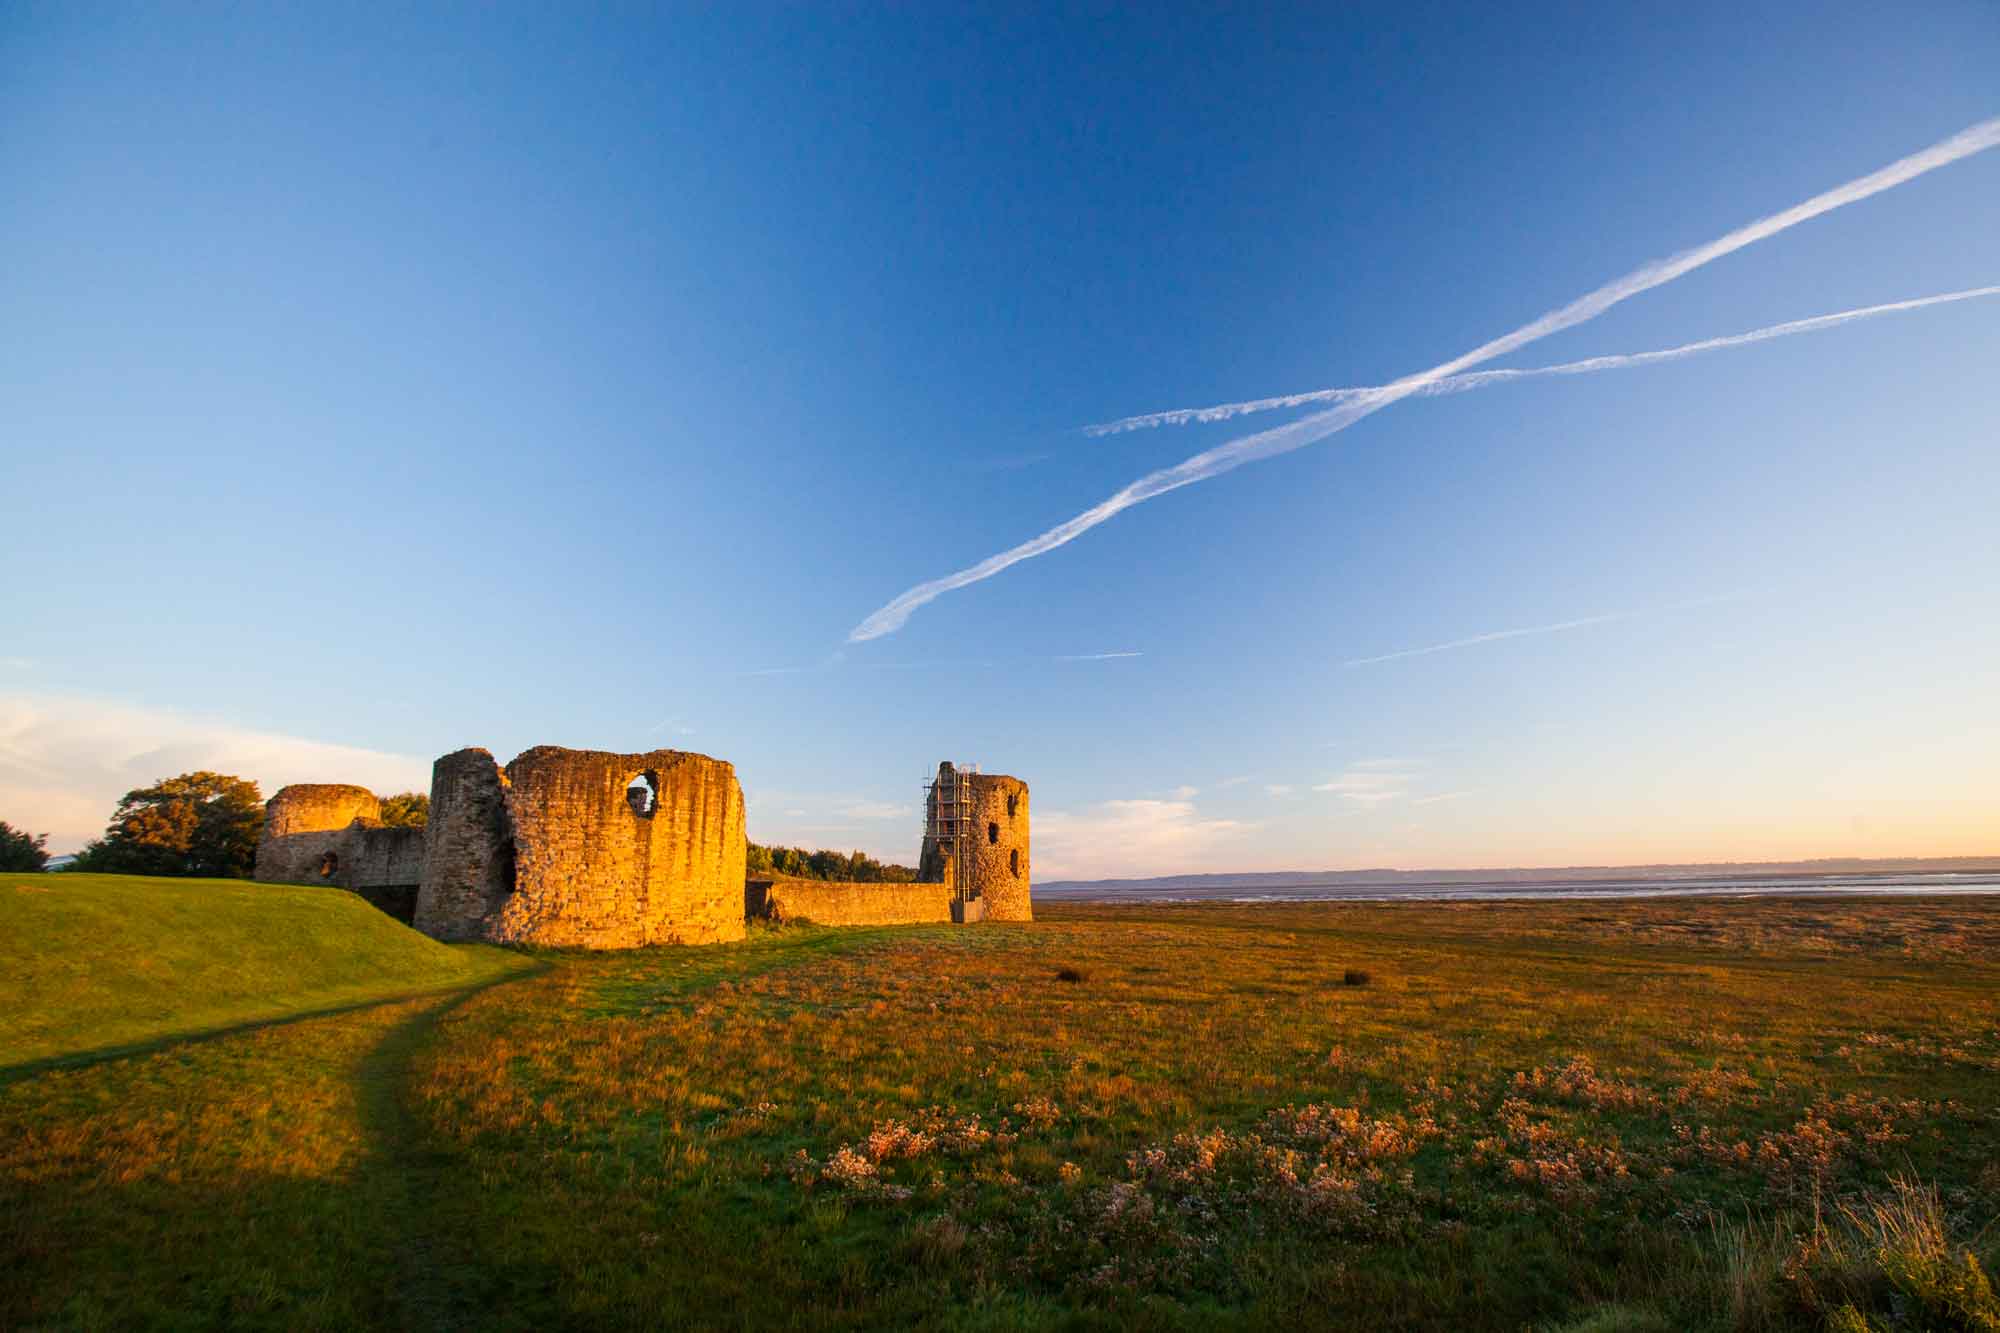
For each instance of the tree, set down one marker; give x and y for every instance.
(409, 809)
(801, 863)
(20, 851)
(196, 824)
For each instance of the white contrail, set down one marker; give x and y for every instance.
(1581, 622)
(1478, 379)
(1319, 425)
(1556, 628)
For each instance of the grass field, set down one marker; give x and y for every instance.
(1648, 1115)
(96, 962)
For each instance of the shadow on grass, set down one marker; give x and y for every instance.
(196, 1036)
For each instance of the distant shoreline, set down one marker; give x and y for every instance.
(1903, 876)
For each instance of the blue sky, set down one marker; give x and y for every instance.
(374, 383)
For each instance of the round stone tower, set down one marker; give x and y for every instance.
(999, 835)
(976, 840)
(468, 848)
(303, 823)
(600, 864)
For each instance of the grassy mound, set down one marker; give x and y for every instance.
(102, 962)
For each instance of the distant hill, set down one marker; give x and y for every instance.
(90, 962)
(1279, 881)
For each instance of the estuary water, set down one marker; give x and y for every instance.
(1691, 886)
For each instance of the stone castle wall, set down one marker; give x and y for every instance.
(332, 833)
(840, 903)
(305, 822)
(552, 851)
(468, 870)
(589, 871)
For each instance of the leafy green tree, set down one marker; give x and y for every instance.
(21, 851)
(409, 809)
(195, 824)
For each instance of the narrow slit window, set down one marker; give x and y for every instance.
(1014, 862)
(993, 833)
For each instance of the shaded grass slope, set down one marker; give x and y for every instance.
(93, 963)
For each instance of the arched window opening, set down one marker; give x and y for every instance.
(329, 865)
(1014, 862)
(643, 794)
(993, 833)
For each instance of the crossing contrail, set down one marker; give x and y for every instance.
(1478, 379)
(1317, 426)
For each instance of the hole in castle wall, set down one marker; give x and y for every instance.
(643, 795)
(1011, 798)
(993, 833)
(1014, 862)
(329, 865)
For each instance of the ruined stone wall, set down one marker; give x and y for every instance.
(468, 870)
(383, 865)
(590, 872)
(332, 833)
(999, 832)
(841, 903)
(305, 822)
(992, 824)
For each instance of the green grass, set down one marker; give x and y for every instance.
(1629, 1116)
(96, 962)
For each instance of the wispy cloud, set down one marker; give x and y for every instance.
(1370, 782)
(1497, 634)
(1559, 627)
(1319, 425)
(1279, 789)
(879, 810)
(1094, 657)
(1125, 838)
(1445, 796)
(1480, 379)
(15, 663)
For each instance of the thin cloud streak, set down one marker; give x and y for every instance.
(1480, 379)
(1556, 628)
(1094, 657)
(1318, 426)
(1559, 627)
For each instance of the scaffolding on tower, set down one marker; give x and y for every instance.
(948, 824)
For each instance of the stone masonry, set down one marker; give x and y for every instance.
(554, 849)
(332, 833)
(589, 849)
(980, 844)
(469, 854)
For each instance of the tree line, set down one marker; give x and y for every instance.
(799, 863)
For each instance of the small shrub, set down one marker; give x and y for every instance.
(1354, 976)
(1070, 974)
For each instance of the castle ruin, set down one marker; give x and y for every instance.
(589, 849)
(332, 833)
